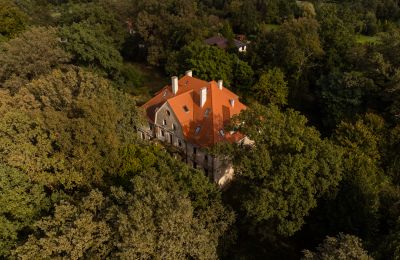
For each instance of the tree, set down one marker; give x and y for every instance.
(91, 47)
(12, 19)
(97, 16)
(355, 206)
(33, 53)
(210, 63)
(66, 128)
(280, 178)
(337, 36)
(294, 47)
(21, 203)
(168, 26)
(341, 247)
(271, 88)
(154, 219)
(343, 96)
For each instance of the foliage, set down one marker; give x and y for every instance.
(135, 224)
(341, 247)
(211, 63)
(21, 203)
(280, 178)
(66, 128)
(96, 16)
(295, 46)
(92, 47)
(32, 54)
(271, 88)
(168, 25)
(343, 96)
(12, 19)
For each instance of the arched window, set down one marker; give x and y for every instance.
(168, 113)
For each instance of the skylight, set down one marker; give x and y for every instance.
(197, 130)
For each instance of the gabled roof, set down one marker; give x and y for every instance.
(202, 126)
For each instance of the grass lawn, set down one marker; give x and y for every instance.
(270, 27)
(364, 39)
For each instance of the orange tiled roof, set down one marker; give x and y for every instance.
(211, 123)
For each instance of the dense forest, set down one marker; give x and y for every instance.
(321, 80)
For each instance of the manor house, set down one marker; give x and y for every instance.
(190, 114)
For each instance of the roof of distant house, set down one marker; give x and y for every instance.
(202, 125)
(222, 42)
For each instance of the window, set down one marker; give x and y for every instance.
(142, 136)
(222, 133)
(207, 112)
(185, 108)
(164, 122)
(206, 158)
(197, 131)
(173, 126)
(168, 113)
(179, 143)
(165, 94)
(162, 133)
(194, 150)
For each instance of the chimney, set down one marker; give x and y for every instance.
(203, 96)
(189, 73)
(174, 85)
(232, 102)
(220, 82)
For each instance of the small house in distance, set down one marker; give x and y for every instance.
(190, 115)
(223, 43)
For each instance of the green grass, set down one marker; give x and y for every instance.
(270, 27)
(364, 39)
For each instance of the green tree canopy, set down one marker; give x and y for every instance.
(341, 247)
(66, 127)
(271, 88)
(21, 203)
(97, 16)
(33, 53)
(210, 63)
(281, 176)
(12, 19)
(154, 219)
(92, 47)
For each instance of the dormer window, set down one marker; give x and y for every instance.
(221, 132)
(207, 112)
(165, 94)
(185, 108)
(197, 131)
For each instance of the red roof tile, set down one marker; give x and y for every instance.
(209, 120)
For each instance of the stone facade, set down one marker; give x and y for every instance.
(217, 170)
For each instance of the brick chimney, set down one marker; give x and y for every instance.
(189, 73)
(220, 83)
(174, 84)
(203, 96)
